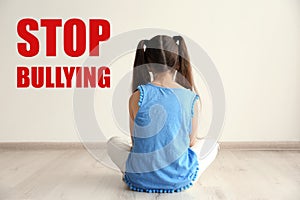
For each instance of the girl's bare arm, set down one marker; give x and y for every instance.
(195, 124)
(133, 108)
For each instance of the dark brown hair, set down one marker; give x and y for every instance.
(162, 53)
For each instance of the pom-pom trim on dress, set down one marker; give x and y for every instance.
(152, 190)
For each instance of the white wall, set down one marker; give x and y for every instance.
(254, 44)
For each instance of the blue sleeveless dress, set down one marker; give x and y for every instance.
(160, 160)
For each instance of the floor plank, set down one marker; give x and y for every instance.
(74, 174)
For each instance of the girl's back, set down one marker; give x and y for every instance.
(160, 158)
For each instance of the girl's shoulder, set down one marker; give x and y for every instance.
(137, 97)
(134, 97)
(150, 87)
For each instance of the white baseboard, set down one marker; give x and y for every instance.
(257, 145)
(282, 145)
(40, 145)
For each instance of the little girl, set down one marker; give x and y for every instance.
(163, 156)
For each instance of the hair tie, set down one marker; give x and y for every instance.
(146, 42)
(177, 38)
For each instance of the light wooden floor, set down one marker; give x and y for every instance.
(74, 174)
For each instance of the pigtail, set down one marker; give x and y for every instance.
(184, 70)
(184, 74)
(141, 74)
